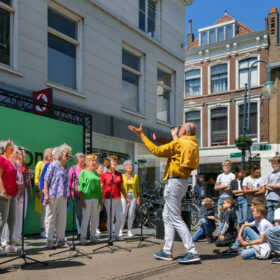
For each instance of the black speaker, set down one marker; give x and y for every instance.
(186, 216)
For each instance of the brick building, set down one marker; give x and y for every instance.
(216, 70)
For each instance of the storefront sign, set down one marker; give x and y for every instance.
(44, 97)
(155, 138)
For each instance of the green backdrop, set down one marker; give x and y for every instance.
(36, 133)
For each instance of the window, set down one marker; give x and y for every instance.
(219, 78)
(212, 36)
(194, 117)
(192, 86)
(220, 32)
(147, 16)
(244, 66)
(219, 129)
(204, 40)
(229, 31)
(62, 49)
(5, 32)
(163, 95)
(253, 131)
(130, 80)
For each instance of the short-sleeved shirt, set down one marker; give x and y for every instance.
(262, 226)
(58, 180)
(225, 179)
(74, 171)
(274, 178)
(253, 184)
(277, 214)
(9, 177)
(106, 180)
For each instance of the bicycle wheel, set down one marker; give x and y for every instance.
(195, 221)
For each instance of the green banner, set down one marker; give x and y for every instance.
(36, 133)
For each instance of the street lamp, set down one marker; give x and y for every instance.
(268, 91)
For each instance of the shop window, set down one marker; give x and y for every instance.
(192, 86)
(147, 16)
(131, 75)
(164, 91)
(244, 66)
(219, 78)
(253, 131)
(63, 47)
(194, 117)
(6, 14)
(219, 126)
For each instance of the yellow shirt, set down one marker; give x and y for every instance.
(182, 155)
(38, 170)
(131, 185)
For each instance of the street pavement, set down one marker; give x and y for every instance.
(137, 264)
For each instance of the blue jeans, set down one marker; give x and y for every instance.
(249, 253)
(271, 206)
(79, 213)
(273, 238)
(207, 228)
(241, 210)
(221, 224)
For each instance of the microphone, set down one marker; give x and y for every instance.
(22, 149)
(69, 155)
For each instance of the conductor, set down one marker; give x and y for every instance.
(182, 157)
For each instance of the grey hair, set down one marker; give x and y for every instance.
(4, 144)
(55, 152)
(126, 163)
(189, 129)
(79, 155)
(46, 153)
(61, 150)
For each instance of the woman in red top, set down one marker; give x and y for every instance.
(8, 190)
(117, 188)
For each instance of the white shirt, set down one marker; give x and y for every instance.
(262, 226)
(277, 214)
(253, 184)
(225, 179)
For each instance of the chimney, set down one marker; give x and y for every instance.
(273, 26)
(190, 35)
(266, 23)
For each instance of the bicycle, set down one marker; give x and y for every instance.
(190, 205)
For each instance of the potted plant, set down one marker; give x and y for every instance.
(243, 143)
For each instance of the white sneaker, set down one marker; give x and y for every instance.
(11, 248)
(2, 251)
(83, 241)
(130, 234)
(43, 234)
(98, 232)
(120, 233)
(3, 244)
(50, 244)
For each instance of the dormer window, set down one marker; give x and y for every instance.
(218, 32)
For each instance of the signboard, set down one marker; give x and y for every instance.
(235, 155)
(36, 133)
(43, 96)
(156, 138)
(261, 147)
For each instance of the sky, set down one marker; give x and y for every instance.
(250, 12)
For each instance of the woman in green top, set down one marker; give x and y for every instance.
(90, 194)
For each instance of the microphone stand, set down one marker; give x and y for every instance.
(110, 243)
(73, 248)
(22, 253)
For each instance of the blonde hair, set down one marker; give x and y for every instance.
(46, 153)
(261, 209)
(226, 162)
(275, 159)
(90, 157)
(208, 201)
(230, 201)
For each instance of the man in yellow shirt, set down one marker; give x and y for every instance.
(182, 157)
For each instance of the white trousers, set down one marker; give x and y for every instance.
(130, 210)
(175, 190)
(90, 213)
(56, 212)
(116, 203)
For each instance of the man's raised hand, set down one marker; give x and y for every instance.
(137, 131)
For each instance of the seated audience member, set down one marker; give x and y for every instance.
(229, 232)
(273, 235)
(257, 247)
(207, 217)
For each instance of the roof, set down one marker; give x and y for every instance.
(243, 29)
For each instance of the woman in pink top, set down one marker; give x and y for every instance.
(74, 173)
(8, 190)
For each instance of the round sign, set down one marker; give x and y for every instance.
(43, 98)
(154, 137)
